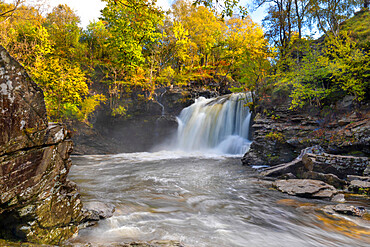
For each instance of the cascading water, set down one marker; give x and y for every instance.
(218, 125)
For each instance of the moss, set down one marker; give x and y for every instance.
(275, 136)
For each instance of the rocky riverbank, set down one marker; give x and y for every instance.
(311, 156)
(37, 202)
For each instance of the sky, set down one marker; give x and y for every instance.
(89, 10)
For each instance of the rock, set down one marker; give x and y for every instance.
(280, 170)
(339, 165)
(98, 210)
(37, 202)
(361, 178)
(287, 176)
(349, 210)
(327, 178)
(338, 198)
(292, 167)
(305, 188)
(340, 132)
(361, 187)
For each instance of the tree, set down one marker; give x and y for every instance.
(279, 22)
(62, 25)
(349, 65)
(247, 52)
(65, 89)
(205, 29)
(132, 24)
(96, 38)
(329, 14)
(8, 10)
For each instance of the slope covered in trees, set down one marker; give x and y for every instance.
(136, 48)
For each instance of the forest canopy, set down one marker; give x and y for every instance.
(136, 48)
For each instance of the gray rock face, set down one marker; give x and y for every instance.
(359, 186)
(292, 167)
(327, 178)
(305, 188)
(98, 210)
(37, 203)
(345, 209)
(338, 198)
(336, 164)
(279, 136)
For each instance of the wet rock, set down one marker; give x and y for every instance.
(292, 167)
(361, 178)
(339, 132)
(349, 210)
(305, 188)
(339, 165)
(98, 210)
(280, 170)
(338, 198)
(359, 186)
(287, 176)
(327, 178)
(37, 203)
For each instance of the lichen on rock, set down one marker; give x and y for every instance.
(37, 203)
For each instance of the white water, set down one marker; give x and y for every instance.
(203, 201)
(217, 125)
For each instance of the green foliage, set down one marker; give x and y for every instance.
(358, 28)
(275, 136)
(65, 89)
(339, 66)
(132, 25)
(47, 47)
(349, 65)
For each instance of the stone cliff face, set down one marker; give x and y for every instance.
(37, 202)
(146, 125)
(281, 135)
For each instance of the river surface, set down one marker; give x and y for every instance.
(202, 200)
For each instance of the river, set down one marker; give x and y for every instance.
(202, 200)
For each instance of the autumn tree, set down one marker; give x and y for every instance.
(62, 25)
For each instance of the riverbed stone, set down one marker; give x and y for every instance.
(327, 178)
(98, 210)
(338, 198)
(359, 186)
(37, 202)
(305, 188)
(349, 210)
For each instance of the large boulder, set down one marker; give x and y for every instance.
(37, 203)
(305, 188)
(336, 164)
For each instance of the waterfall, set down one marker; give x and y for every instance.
(219, 125)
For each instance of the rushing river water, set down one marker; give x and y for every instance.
(202, 201)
